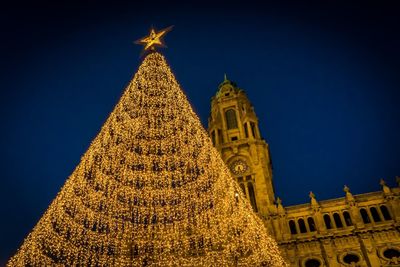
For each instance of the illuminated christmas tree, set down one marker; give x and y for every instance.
(150, 191)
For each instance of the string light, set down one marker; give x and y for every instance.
(151, 190)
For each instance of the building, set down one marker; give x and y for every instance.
(354, 230)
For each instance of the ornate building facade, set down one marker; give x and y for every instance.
(354, 230)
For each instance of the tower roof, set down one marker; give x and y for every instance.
(227, 86)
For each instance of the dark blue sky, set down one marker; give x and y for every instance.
(324, 80)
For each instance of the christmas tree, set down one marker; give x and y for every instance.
(150, 191)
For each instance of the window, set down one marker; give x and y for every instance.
(253, 129)
(234, 138)
(302, 226)
(243, 189)
(364, 216)
(220, 137)
(246, 131)
(213, 137)
(385, 213)
(311, 224)
(347, 218)
(338, 221)
(312, 263)
(391, 253)
(230, 117)
(327, 220)
(292, 226)
(252, 196)
(375, 214)
(351, 258)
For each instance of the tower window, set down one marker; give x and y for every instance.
(385, 213)
(252, 196)
(338, 221)
(246, 131)
(302, 226)
(253, 129)
(375, 214)
(213, 137)
(234, 138)
(328, 222)
(292, 226)
(220, 137)
(243, 189)
(230, 116)
(311, 224)
(364, 216)
(347, 218)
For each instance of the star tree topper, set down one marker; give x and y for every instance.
(154, 39)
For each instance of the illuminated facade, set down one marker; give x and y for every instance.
(354, 230)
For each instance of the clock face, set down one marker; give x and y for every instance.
(239, 167)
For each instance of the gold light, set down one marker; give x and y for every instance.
(154, 39)
(151, 190)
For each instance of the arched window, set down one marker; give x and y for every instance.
(253, 129)
(327, 220)
(213, 137)
(243, 189)
(375, 214)
(338, 221)
(351, 258)
(246, 130)
(311, 224)
(230, 117)
(364, 216)
(312, 263)
(302, 226)
(385, 213)
(292, 226)
(220, 137)
(391, 253)
(347, 218)
(252, 196)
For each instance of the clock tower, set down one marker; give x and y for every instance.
(233, 127)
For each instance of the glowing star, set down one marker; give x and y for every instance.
(154, 39)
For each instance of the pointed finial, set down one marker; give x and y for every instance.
(346, 189)
(385, 188)
(225, 79)
(314, 202)
(349, 195)
(280, 209)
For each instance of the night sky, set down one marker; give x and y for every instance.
(323, 78)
